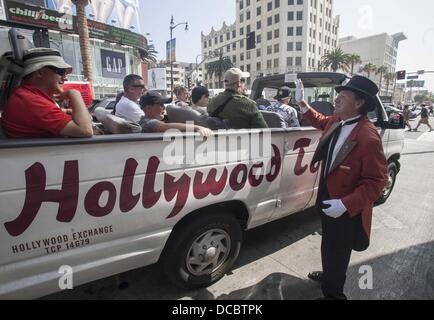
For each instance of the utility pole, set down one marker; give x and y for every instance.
(173, 26)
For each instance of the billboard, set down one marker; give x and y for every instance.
(113, 64)
(416, 83)
(38, 3)
(157, 79)
(120, 13)
(36, 16)
(171, 50)
(25, 14)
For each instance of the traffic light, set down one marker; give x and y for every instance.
(251, 40)
(400, 75)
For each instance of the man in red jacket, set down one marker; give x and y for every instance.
(354, 172)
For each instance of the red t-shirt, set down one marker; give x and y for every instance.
(30, 113)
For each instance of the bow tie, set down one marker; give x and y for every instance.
(349, 122)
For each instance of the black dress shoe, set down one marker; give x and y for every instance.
(315, 276)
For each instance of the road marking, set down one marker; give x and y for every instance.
(419, 143)
(381, 219)
(426, 136)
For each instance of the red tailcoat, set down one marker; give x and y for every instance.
(359, 172)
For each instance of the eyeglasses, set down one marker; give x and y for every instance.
(60, 72)
(141, 86)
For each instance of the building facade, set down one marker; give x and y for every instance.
(184, 74)
(379, 50)
(291, 36)
(115, 51)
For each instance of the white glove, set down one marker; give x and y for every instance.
(299, 90)
(336, 209)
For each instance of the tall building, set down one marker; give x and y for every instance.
(380, 50)
(291, 36)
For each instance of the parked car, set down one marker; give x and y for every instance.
(106, 103)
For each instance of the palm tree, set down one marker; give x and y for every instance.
(219, 67)
(354, 59)
(390, 76)
(83, 33)
(381, 71)
(368, 68)
(335, 59)
(151, 55)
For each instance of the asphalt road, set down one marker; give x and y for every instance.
(275, 259)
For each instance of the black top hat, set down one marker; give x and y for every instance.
(363, 86)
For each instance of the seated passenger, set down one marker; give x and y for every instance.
(282, 107)
(127, 107)
(200, 99)
(152, 104)
(233, 106)
(181, 96)
(262, 103)
(31, 112)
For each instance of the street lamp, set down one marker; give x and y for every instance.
(173, 26)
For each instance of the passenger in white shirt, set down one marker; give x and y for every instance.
(127, 107)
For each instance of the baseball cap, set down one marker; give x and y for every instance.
(153, 97)
(234, 74)
(37, 58)
(283, 93)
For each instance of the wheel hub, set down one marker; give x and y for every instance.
(208, 252)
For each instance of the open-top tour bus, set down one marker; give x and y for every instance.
(108, 204)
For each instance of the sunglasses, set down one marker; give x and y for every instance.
(141, 86)
(242, 80)
(60, 72)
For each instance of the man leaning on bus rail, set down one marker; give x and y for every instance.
(354, 172)
(31, 112)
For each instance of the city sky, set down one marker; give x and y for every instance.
(359, 18)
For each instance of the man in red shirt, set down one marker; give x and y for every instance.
(31, 112)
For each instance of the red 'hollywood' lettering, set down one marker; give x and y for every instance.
(315, 167)
(300, 144)
(276, 163)
(67, 196)
(254, 182)
(179, 188)
(127, 200)
(91, 201)
(36, 194)
(233, 179)
(210, 186)
(150, 197)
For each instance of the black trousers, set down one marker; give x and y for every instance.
(336, 247)
(339, 237)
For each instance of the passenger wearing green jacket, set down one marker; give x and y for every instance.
(233, 106)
